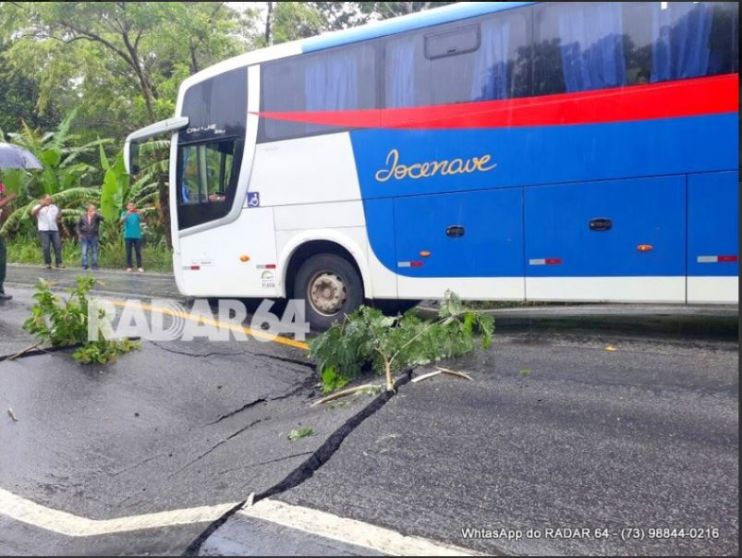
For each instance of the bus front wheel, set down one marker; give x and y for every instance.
(331, 287)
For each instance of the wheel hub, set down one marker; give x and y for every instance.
(327, 293)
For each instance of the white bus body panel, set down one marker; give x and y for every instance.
(713, 290)
(209, 262)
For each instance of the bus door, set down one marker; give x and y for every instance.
(619, 240)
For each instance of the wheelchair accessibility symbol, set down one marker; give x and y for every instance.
(253, 199)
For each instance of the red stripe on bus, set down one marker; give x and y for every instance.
(690, 97)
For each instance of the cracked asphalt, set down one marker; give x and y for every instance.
(554, 431)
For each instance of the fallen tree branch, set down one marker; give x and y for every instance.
(426, 376)
(455, 373)
(344, 392)
(24, 351)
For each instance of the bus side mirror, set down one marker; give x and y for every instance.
(131, 156)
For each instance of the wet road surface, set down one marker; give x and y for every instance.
(555, 431)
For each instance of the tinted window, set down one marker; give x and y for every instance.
(207, 180)
(459, 63)
(342, 79)
(216, 107)
(584, 46)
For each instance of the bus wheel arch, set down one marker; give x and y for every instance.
(328, 277)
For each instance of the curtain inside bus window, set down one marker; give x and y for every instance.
(491, 63)
(680, 40)
(331, 83)
(592, 46)
(400, 73)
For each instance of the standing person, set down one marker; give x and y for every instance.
(48, 215)
(132, 222)
(4, 200)
(88, 228)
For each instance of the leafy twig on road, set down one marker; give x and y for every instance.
(64, 323)
(367, 338)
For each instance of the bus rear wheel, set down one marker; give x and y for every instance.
(331, 287)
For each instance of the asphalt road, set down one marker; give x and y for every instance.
(555, 432)
(552, 434)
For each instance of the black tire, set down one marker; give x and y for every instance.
(392, 307)
(338, 273)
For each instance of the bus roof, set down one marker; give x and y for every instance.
(418, 20)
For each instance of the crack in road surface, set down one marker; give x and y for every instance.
(306, 469)
(261, 400)
(304, 363)
(196, 355)
(217, 445)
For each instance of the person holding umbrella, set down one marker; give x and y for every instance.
(11, 157)
(5, 199)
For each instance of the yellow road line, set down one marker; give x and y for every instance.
(221, 325)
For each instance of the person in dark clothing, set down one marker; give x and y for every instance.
(88, 228)
(4, 200)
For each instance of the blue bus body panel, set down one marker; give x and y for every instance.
(531, 156)
(643, 212)
(492, 240)
(713, 223)
(419, 20)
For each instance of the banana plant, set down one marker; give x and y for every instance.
(71, 201)
(59, 158)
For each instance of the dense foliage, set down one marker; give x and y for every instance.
(367, 338)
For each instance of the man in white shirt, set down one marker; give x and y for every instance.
(47, 215)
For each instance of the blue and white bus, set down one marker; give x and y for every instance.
(503, 150)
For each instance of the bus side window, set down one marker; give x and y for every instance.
(336, 80)
(484, 61)
(579, 47)
(584, 46)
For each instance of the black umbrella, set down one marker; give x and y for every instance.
(14, 157)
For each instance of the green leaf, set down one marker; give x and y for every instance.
(299, 433)
(114, 190)
(50, 157)
(103, 159)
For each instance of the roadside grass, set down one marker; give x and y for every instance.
(155, 257)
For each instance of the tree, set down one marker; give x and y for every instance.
(385, 10)
(288, 21)
(123, 60)
(63, 174)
